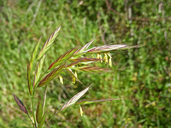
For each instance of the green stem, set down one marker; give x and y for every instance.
(31, 120)
(44, 100)
(32, 99)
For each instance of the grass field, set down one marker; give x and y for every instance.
(140, 77)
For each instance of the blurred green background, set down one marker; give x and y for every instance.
(141, 76)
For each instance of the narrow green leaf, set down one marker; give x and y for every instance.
(48, 43)
(62, 58)
(51, 75)
(20, 104)
(75, 98)
(38, 71)
(83, 102)
(39, 112)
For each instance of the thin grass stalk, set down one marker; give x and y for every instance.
(31, 120)
(34, 117)
(44, 100)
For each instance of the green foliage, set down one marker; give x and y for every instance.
(140, 77)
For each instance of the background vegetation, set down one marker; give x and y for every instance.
(140, 76)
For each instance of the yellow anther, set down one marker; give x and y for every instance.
(81, 111)
(61, 79)
(73, 79)
(98, 56)
(75, 74)
(110, 60)
(154, 103)
(106, 58)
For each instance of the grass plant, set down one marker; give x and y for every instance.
(139, 77)
(77, 59)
